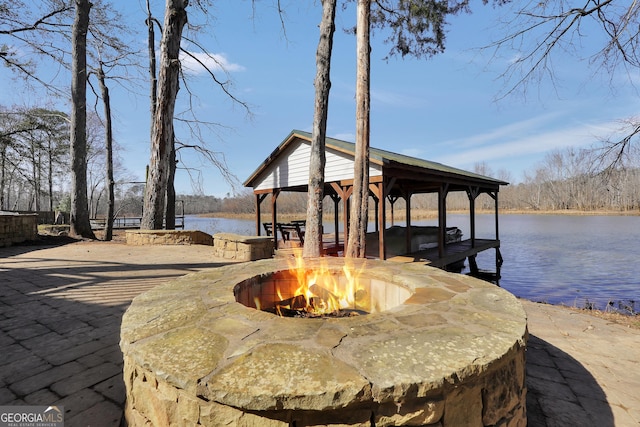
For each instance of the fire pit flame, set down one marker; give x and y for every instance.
(319, 293)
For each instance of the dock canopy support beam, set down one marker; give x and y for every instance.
(259, 198)
(377, 190)
(407, 198)
(336, 219)
(443, 191)
(472, 193)
(274, 215)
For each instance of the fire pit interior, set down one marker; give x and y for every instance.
(319, 292)
(402, 344)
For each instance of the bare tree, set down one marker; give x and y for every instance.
(34, 28)
(151, 40)
(162, 141)
(360, 197)
(322, 83)
(33, 147)
(106, 100)
(43, 29)
(540, 30)
(79, 215)
(417, 29)
(160, 168)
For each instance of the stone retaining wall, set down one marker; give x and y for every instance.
(17, 228)
(242, 248)
(168, 237)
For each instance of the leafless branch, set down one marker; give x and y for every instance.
(223, 85)
(612, 153)
(556, 28)
(39, 23)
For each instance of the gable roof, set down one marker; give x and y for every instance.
(386, 159)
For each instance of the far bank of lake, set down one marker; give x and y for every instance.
(575, 260)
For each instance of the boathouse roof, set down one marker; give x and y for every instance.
(287, 168)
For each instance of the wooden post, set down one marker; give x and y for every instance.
(257, 214)
(392, 202)
(336, 220)
(378, 193)
(346, 209)
(259, 199)
(495, 200)
(442, 217)
(274, 216)
(407, 198)
(499, 260)
(344, 192)
(376, 209)
(473, 193)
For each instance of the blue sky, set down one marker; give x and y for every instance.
(442, 109)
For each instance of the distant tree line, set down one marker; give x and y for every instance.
(567, 179)
(34, 176)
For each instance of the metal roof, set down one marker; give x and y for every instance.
(385, 158)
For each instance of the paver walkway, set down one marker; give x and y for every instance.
(61, 307)
(581, 370)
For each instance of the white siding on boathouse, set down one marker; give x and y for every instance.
(292, 167)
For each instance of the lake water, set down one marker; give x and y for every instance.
(559, 259)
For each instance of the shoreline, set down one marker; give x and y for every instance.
(430, 214)
(629, 320)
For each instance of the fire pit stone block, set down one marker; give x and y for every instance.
(451, 353)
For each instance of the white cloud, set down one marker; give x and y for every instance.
(523, 139)
(528, 126)
(520, 145)
(193, 63)
(478, 146)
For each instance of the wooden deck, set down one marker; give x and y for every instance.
(453, 253)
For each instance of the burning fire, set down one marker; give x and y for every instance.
(319, 291)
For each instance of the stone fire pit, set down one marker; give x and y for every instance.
(445, 350)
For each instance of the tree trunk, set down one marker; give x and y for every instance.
(313, 232)
(34, 176)
(152, 66)
(3, 154)
(79, 221)
(170, 214)
(108, 224)
(162, 140)
(360, 197)
(50, 177)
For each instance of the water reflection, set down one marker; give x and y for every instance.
(559, 259)
(572, 260)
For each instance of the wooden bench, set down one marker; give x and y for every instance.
(268, 228)
(287, 229)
